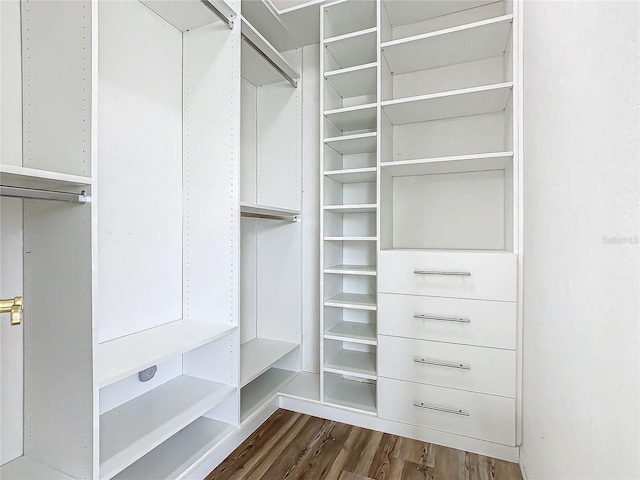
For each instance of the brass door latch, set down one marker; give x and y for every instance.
(14, 307)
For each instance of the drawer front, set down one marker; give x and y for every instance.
(470, 414)
(475, 275)
(477, 369)
(471, 322)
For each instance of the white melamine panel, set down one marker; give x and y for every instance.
(352, 49)
(10, 86)
(189, 14)
(353, 363)
(350, 393)
(58, 337)
(304, 385)
(344, 17)
(402, 12)
(354, 81)
(473, 322)
(248, 142)
(356, 301)
(458, 211)
(492, 275)
(456, 164)
(489, 417)
(258, 355)
(263, 18)
(11, 337)
(57, 86)
(140, 129)
(362, 208)
(25, 468)
(476, 369)
(353, 175)
(253, 209)
(261, 63)
(261, 389)
(353, 144)
(361, 117)
(364, 333)
(352, 270)
(248, 280)
(137, 427)
(15, 176)
(349, 239)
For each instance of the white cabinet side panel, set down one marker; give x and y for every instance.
(10, 84)
(211, 173)
(56, 70)
(140, 171)
(248, 280)
(248, 145)
(11, 340)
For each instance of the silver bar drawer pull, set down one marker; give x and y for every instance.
(440, 272)
(438, 363)
(440, 409)
(442, 319)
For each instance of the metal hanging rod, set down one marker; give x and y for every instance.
(262, 216)
(221, 10)
(32, 193)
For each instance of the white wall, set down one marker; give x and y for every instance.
(581, 165)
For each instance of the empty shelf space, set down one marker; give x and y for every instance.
(119, 358)
(458, 103)
(353, 144)
(305, 385)
(353, 363)
(25, 468)
(405, 12)
(347, 119)
(268, 212)
(262, 389)
(365, 208)
(354, 48)
(364, 333)
(190, 14)
(460, 163)
(358, 395)
(22, 177)
(133, 429)
(356, 301)
(367, 270)
(350, 239)
(353, 81)
(176, 455)
(353, 175)
(464, 43)
(259, 354)
(345, 17)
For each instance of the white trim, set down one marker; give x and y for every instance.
(523, 467)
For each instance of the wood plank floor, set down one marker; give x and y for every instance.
(293, 446)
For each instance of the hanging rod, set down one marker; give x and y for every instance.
(221, 10)
(263, 216)
(32, 193)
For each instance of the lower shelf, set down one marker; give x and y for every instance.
(305, 385)
(25, 468)
(354, 363)
(358, 395)
(172, 458)
(259, 354)
(261, 389)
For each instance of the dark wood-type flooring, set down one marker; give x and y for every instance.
(295, 446)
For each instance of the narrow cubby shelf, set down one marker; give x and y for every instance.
(261, 389)
(354, 48)
(350, 239)
(133, 429)
(363, 333)
(364, 208)
(259, 354)
(353, 144)
(457, 103)
(364, 270)
(353, 81)
(465, 43)
(454, 164)
(351, 394)
(353, 363)
(353, 175)
(175, 456)
(359, 117)
(23, 177)
(355, 301)
(121, 357)
(305, 385)
(27, 468)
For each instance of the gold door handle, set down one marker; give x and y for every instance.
(14, 307)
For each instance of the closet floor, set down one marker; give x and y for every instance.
(293, 446)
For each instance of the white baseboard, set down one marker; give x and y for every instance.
(523, 467)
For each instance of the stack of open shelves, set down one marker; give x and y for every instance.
(349, 106)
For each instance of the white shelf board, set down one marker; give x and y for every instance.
(353, 363)
(22, 177)
(455, 164)
(190, 14)
(305, 385)
(457, 103)
(266, 20)
(402, 12)
(259, 354)
(364, 208)
(262, 389)
(125, 356)
(353, 175)
(358, 395)
(360, 117)
(354, 81)
(353, 144)
(349, 16)
(25, 468)
(133, 429)
(269, 211)
(364, 333)
(366, 270)
(353, 49)
(355, 301)
(176, 455)
(464, 43)
(350, 239)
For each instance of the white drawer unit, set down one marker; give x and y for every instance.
(471, 322)
(477, 369)
(476, 415)
(460, 274)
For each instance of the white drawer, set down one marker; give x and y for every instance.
(479, 275)
(477, 369)
(470, 414)
(472, 322)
